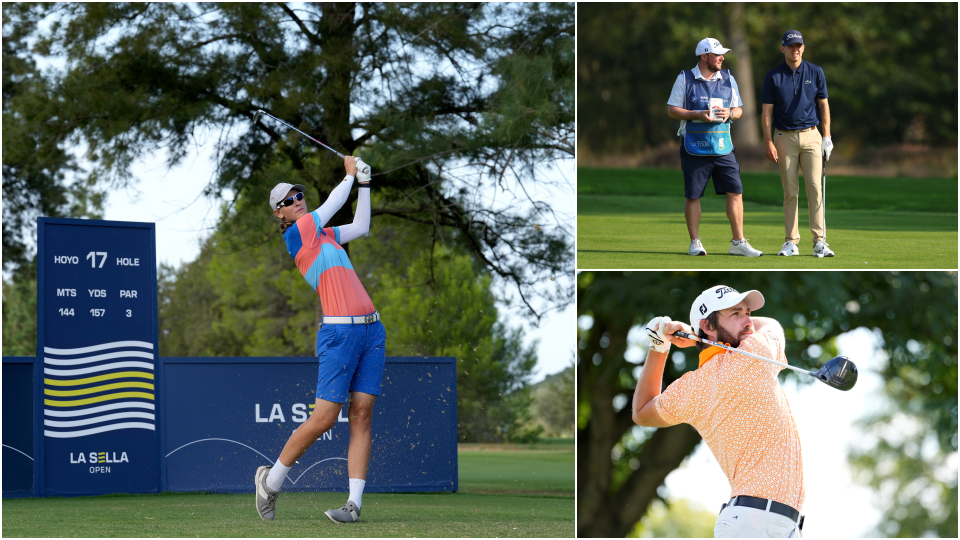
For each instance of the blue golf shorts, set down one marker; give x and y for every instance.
(697, 171)
(351, 360)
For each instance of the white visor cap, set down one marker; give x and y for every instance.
(718, 298)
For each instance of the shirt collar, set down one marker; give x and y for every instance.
(707, 354)
(790, 70)
(698, 75)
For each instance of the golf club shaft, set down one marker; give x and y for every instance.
(681, 333)
(261, 111)
(823, 203)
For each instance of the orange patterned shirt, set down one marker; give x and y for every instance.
(736, 404)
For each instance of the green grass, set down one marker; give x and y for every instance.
(527, 471)
(498, 496)
(633, 218)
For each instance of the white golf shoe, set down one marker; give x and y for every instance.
(696, 248)
(743, 249)
(788, 249)
(821, 249)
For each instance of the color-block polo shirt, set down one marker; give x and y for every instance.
(737, 405)
(326, 267)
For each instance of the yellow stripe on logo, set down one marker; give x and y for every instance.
(98, 399)
(95, 389)
(88, 380)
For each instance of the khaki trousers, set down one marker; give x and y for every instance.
(798, 151)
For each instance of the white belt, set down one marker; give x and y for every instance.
(366, 319)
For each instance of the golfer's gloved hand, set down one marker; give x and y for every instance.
(827, 147)
(363, 172)
(654, 329)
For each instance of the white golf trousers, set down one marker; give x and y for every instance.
(744, 522)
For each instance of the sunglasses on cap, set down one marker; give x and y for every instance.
(290, 200)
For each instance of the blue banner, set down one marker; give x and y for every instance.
(225, 417)
(97, 342)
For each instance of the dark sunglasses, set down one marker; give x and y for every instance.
(290, 200)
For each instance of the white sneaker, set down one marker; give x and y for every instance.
(696, 248)
(821, 249)
(788, 249)
(744, 249)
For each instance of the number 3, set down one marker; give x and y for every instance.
(129, 314)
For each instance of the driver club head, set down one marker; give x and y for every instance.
(839, 373)
(257, 116)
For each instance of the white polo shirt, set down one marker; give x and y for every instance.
(680, 89)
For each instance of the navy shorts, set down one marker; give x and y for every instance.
(698, 169)
(351, 360)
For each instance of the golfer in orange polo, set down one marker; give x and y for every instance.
(736, 404)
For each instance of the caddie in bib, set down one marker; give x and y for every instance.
(708, 138)
(706, 100)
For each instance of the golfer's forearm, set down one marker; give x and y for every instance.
(333, 203)
(825, 117)
(767, 122)
(651, 380)
(361, 220)
(736, 113)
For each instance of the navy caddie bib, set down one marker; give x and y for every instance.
(707, 138)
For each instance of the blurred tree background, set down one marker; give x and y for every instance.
(891, 70)
(621, 466)
(458, 107)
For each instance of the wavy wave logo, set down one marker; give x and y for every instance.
(269, 461)
(103, 387)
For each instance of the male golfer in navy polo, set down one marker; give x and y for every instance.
(706, 99)
(792, 94)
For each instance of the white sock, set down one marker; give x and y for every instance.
(356, 490)
(277, 474)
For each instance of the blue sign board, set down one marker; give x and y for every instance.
(225, 417)
(96, 358)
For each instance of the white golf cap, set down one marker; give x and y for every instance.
(710, 45)
(721, 297)
(279, 193)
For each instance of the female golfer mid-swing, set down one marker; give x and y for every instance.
(350, 340)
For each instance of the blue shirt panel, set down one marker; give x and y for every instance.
(794, 94)
(292, 237)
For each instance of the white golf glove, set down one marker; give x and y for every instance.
(655, 332)
(363, 171)
(827, 147)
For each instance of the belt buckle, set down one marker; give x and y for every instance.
(367, 319)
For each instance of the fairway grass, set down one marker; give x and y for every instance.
(632, 219)
(498, 497)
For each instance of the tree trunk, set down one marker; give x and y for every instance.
(748, 127)
(336, 30)
(607, 515)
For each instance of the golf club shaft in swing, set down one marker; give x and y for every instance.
(681, 333)
(261, 111)
(839, 372)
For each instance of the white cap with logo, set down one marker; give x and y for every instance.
(718, 298)
(710, 45)
(279, 193)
